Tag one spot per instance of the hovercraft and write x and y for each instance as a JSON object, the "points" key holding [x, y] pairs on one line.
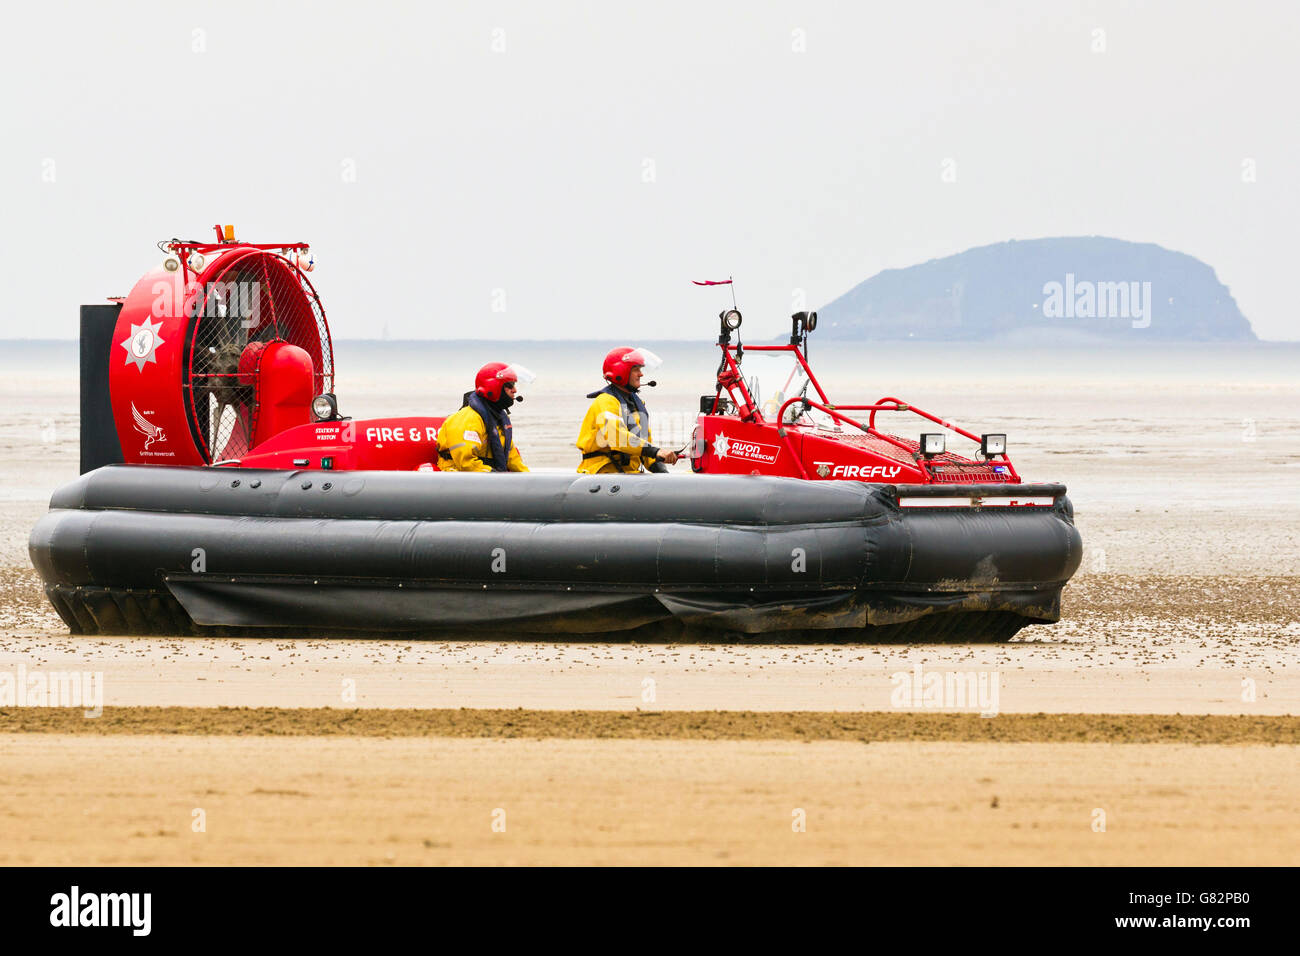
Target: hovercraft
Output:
{"points": [[223, 493]]}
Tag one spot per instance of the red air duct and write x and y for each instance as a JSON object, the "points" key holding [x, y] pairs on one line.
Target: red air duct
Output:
{"points": [[192, 367]]}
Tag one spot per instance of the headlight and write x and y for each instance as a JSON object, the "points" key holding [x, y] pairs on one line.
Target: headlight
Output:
{"points": [[992, 445], [325, 407], [171, 263], [730, 320], [195, 261], [932, 443]]}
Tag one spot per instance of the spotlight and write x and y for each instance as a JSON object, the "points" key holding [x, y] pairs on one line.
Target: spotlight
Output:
{"points": [[991, 445], [325, 407], [932, 443]]}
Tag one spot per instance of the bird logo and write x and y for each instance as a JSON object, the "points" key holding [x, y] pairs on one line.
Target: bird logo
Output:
{"points": [[151, 432]]}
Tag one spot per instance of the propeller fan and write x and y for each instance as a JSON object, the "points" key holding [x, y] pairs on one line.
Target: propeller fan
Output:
{"points": [[259, 298]]}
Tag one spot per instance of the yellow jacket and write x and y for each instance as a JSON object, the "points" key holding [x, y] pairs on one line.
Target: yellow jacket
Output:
{"points": [[463, 444], [612, 427]]}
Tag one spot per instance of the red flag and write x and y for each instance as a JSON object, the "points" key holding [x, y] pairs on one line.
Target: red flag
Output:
{"points": [[708, 282]]}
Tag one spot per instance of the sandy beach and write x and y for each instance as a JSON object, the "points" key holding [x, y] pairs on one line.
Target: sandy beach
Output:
{"points": [[325, 801], [1127, 644]]}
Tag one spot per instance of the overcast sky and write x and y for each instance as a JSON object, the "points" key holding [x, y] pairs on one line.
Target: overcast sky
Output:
{"points": [[588, 160]]}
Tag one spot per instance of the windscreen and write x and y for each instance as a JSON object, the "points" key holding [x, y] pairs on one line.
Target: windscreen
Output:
{"points": [[774, 377]]}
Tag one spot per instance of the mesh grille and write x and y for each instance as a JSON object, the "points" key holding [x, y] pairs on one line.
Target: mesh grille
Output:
{"points": [[959, 472], [946, 468], [258, 298], [879, 446]]}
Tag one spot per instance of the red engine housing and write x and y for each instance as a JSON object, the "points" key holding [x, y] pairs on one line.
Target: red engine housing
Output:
{"points": [[222, 349]]}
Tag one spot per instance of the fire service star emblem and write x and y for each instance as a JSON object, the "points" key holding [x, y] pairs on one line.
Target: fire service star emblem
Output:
{"points": [[823, 469], [722, 446], [142, 343]]}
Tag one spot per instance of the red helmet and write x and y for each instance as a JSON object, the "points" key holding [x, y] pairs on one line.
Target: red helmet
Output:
{"points": [[620, 362], [493, 376]]}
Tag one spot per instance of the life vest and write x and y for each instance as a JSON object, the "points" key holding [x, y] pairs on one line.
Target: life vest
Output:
{"points": [[497, 437], [635, 419], [500, 432]]}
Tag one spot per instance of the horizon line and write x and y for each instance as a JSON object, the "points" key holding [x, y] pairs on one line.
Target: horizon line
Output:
{"points": [[1098, 340]]}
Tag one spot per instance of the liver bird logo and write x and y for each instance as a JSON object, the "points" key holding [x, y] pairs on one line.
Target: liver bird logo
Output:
{"points": [[151, 432]]}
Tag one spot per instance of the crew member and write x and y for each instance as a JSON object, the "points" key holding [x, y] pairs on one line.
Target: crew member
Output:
{"points": [[615, 434], [480, 437]]}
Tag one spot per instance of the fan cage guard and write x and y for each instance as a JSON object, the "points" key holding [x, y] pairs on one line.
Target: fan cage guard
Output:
{"points": [[260, 297]]}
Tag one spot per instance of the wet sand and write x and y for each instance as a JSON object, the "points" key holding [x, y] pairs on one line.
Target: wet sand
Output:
{"points": [[1126, 644], [805, 726]]}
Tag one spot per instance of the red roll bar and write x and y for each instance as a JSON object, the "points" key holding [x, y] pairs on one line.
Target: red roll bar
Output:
{"points": [[732, 380]]}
